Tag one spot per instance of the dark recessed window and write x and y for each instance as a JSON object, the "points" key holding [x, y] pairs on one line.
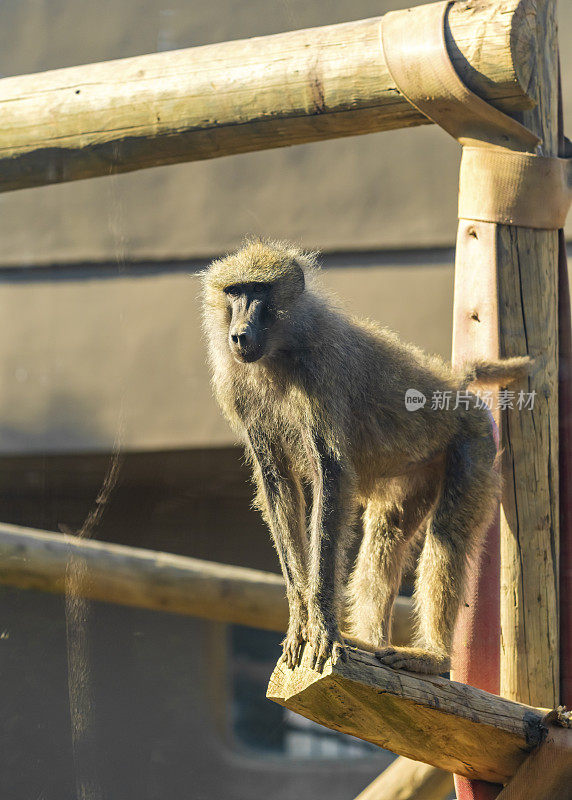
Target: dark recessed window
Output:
{"points": [[265, 727]]}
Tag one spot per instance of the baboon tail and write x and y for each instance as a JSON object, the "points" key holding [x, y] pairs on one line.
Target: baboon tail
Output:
{"points": [[498, 372]]}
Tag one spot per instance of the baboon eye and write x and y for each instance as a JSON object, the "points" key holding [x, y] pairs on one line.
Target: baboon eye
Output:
{"points": [[237, 289]]}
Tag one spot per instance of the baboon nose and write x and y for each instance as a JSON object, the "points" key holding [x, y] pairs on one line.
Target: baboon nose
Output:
{"points": [[243, 340], [245, 345]]}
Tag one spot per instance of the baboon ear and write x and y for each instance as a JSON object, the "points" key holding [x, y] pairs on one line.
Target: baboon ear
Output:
{"points": [[290, 285], [300, 279], [293, 283]]}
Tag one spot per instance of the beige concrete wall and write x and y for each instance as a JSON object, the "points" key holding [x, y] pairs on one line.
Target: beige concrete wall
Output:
{"points": [[104, 352], [90, 355], [390, 190]]}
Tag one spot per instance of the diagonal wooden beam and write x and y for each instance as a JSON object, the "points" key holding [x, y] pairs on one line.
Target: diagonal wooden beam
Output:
{"points": [[409, 780], [240, 96], [547, 772], [447, 724]]}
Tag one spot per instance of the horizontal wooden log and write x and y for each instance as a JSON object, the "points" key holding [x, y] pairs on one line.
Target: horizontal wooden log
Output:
{"points": [[447, 724], [132, 576], [234, 97], [409, 780]]}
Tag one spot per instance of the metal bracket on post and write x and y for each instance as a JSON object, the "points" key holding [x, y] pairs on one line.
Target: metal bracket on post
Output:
{"points": [[502, 178]]}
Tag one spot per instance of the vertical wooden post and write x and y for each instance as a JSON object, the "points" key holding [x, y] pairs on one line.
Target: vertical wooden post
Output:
{"points": [[565, 433], [565, 442], [522, 274], [506, 300], [528, 301]]}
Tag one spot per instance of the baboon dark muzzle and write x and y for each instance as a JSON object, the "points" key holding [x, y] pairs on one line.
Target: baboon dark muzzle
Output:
{"points": [[247, 333], [246, 346]]}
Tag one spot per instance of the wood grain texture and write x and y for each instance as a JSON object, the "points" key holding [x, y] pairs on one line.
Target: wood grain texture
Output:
{"points": [[528, 302], [132, 576], [447, 724], [239, 96], [409, 780]]}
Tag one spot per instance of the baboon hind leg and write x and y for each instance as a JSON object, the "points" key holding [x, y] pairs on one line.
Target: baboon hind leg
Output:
{"points": [[390, 523], [454, 533]]}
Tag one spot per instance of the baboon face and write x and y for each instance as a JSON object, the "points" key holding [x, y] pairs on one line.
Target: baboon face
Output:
{"points": [[250, 296], [251, 318]]}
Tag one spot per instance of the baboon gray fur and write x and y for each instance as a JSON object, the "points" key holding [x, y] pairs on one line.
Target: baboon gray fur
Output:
{"points": [[318, 398]]}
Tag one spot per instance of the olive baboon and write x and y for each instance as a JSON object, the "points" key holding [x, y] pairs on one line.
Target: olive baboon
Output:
{"points": [[318, 398]]}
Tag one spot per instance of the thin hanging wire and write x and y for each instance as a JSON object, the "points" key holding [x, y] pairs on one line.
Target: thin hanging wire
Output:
{"points": [[77, 608]]}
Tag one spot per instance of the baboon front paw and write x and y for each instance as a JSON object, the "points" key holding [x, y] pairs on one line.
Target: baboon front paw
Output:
{"points": [[292, 647], [325, 644], [323, 649], [413, 659]]}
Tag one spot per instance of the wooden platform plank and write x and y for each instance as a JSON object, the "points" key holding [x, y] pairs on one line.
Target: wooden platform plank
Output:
{"points": [[432, 719]]}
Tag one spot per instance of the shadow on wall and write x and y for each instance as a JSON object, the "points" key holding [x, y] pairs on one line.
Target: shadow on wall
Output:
{"points": [[63, 423]]}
